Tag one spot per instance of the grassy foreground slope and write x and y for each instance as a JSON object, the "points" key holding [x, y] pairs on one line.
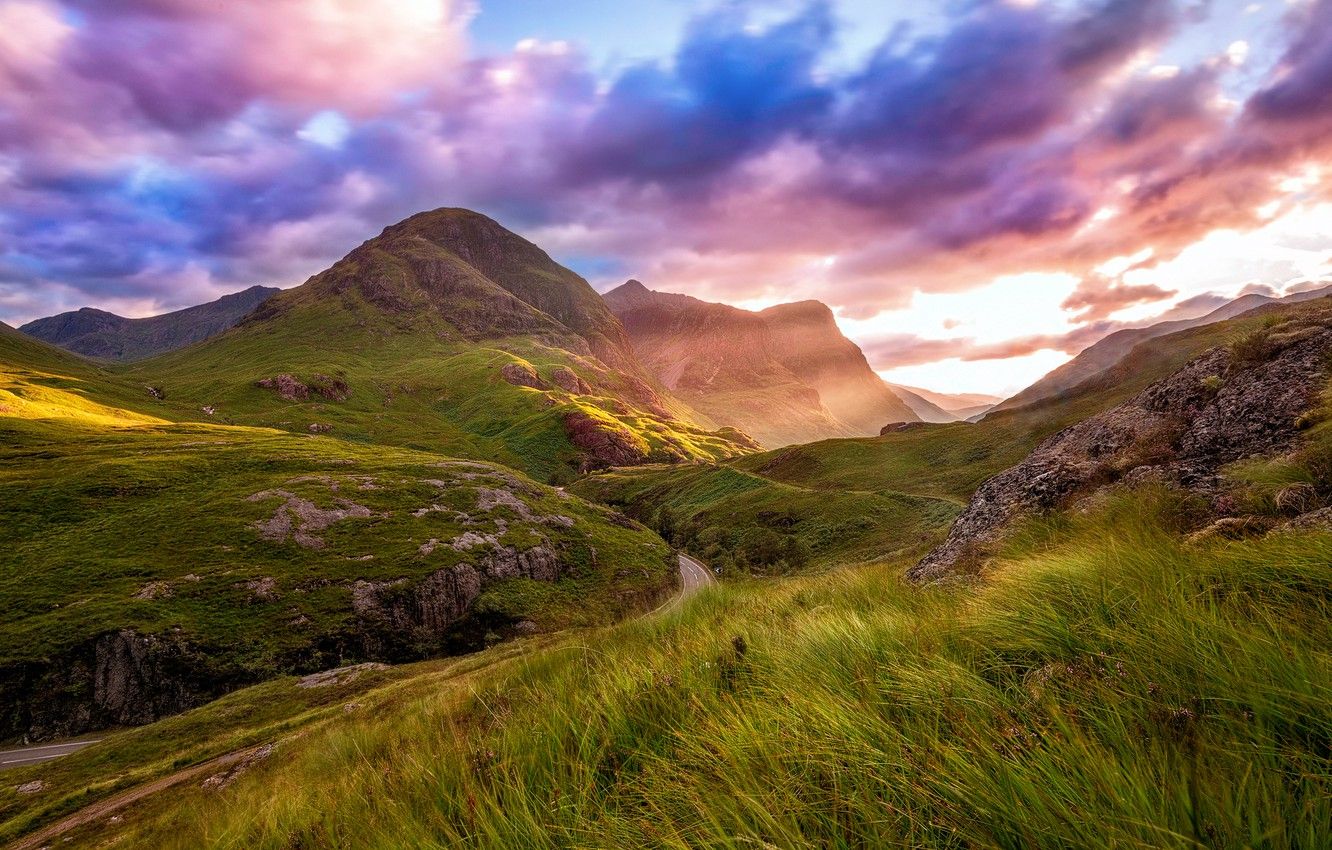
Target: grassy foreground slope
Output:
{"points": [[1109, 686]]}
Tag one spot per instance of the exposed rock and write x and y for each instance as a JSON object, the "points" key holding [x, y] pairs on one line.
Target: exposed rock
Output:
{"points": [[1232, 528], [331, 388], [219, 781], [1184, 425], [36, 786], [319, 428], [118, 679], [522, 375], [156, 392], [1317, 520], [421, 614], [568, 380], [262, 589], [604, 443], [209, 410], [287, 386], [299, 519], [900, 427], [339, 675], [154, 590]]}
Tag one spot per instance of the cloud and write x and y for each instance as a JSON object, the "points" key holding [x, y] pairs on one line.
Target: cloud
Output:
{"points": [[1098, 298], [157, 152]]}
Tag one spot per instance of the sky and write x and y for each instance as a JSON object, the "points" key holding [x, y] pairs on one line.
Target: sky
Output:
{"points": [[979, 188]]}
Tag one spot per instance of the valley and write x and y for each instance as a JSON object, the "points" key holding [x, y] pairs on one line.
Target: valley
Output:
{"points": [[439, 548]]}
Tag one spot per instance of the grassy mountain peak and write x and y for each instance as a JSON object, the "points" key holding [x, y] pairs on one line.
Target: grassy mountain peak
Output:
{"points": [[446, 332]]}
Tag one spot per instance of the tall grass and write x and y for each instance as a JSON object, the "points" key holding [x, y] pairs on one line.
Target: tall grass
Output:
{"points": [[1111, 689]]}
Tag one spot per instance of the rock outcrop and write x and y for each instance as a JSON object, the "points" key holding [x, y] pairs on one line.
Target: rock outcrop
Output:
{"points": [[1226, 405], [604, 443], [398, 616], [119, 679], [522, 375]]}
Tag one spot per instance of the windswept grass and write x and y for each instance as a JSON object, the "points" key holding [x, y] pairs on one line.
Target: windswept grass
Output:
{"points": [[740, 522], [1108, 687]]}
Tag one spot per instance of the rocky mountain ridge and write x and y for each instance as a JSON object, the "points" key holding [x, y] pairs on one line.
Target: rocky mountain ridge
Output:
{"points": [[1249, 399], [1105, 353]]}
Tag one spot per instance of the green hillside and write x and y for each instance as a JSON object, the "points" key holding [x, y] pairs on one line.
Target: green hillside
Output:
{"points": [[406, 341], [189, 558]]}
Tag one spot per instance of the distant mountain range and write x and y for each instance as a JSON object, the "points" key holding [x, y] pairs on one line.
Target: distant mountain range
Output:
{"points": [[783, 375], [1104, 354], [931, 406], [106, 336]]}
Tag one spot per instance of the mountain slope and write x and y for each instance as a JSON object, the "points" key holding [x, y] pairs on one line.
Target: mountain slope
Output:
{"points": [[106, 336], [724, 362], [813, 347], [927, 410], [1110, 350], [784, 377], [448, 333]]}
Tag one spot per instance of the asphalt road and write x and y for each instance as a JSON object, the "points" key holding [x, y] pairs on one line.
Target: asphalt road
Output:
{"points": [[693, 578], [41, 752]]}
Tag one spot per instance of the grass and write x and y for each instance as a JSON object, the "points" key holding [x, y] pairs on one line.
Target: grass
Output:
{"points": [[1108, 687], [740, 522]]}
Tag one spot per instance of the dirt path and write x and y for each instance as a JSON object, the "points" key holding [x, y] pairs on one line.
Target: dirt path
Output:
{"points": [[106, 807]]}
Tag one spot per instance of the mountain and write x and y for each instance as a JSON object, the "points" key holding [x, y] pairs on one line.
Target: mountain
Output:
{"points": [[724, 362], [813, 347], [957, 407], [106, 336], [1110, 350], [927, 410], [446, 332], [781, 375]]}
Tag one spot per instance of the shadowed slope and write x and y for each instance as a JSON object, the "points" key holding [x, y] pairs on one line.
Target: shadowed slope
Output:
{"points": [[97, 333]]}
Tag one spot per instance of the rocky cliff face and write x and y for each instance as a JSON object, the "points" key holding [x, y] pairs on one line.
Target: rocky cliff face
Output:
{"points": [[397, 619], [1228, 404], [119, 679], [785, 375]]}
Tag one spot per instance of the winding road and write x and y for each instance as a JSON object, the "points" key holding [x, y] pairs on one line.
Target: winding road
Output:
{"points": [[693, 578]]}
